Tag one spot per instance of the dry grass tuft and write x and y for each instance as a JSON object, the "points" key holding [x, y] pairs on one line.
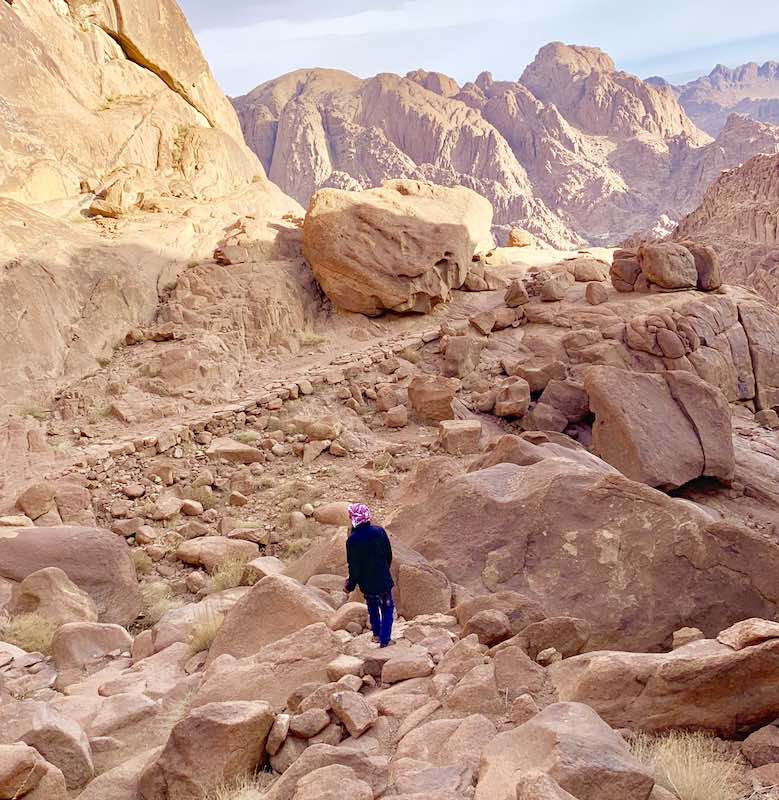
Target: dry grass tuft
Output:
{"points": [[203, 633], [310, 338], [410, 354], [156, 599], [142, 561], [247, 437], [295, 547], [229, 573], [205, 496], [30, 631], [251, 787], [690, 765]]}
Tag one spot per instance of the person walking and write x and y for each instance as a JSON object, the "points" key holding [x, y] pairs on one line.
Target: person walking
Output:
{"points": [[369, 556]]}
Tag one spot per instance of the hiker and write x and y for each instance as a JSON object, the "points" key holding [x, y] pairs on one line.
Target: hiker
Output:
{"points": [[369, 555]]}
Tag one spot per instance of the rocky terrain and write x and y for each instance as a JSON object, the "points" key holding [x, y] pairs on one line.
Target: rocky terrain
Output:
{"points": [[575, 454], [575, 151], [739, 217], [751, 90]]}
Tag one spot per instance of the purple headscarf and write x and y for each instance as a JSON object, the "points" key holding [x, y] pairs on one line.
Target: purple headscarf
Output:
{"points": [[359, 514]]}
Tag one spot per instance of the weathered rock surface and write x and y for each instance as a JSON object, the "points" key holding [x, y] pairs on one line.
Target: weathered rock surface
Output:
{"points": [[283, 605], [690, 687], [662, 430], [400, 247], [572, 746], [95, 560], [469, 527]]}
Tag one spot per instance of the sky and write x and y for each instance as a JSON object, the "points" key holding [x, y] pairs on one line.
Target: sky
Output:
{"points": [[248, 43]]}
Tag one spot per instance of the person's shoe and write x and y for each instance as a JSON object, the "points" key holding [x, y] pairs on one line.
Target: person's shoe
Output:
{"points": [[387, 644], [375, 638]]}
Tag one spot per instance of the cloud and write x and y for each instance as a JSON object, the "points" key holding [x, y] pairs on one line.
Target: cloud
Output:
{"points": [[463, 37]]}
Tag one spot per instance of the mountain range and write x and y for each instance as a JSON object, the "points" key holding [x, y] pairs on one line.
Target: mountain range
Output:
{"points": [[575, 151]]}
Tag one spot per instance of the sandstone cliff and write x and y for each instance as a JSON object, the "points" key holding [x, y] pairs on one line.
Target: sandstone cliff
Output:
{"points": [[739, 217], [574, 151]]}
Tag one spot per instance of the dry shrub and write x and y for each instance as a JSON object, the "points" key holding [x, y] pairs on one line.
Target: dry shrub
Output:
{"points": [[410, 354], [30, 631], [295, 547], [142, 561], [156, 600], [203, 633], [690, 765], [250, 787], [310, 338], [228, 574], [247, 437]]}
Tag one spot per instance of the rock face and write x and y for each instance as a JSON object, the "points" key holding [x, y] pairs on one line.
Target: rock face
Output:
{"points": [[739, 218], [532, 147], [111, 67], [551, 529], [751, 89], [95, 560], [135, 123], [400, 247], [662, 430], [574, 747], [690, 687]]}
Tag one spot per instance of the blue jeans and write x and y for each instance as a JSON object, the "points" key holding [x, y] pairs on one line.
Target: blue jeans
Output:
{"points": [[381, 610]]}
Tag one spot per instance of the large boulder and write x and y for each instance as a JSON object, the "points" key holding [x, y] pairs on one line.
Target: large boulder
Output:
{"points": [[574, 747], [663, 430], [273, 672], [95, 560], [25, 773], [553, 529], [690, 687], [272, 609], [213, 744], [402, 246], [50, 593], [668, 265]]}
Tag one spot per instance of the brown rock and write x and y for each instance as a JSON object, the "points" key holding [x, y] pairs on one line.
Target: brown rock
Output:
{"points": [[414, 664], [235, 452], [596, 293], [706, 264], [335, 782], [401, 246], [25, 773], [674, 683], [421, 589], [75, 550], [762, 746], [513, 398], [625, 270], [749, 632], [396, 417], [523, 708], [75, 644], [574, 747], [213, 744], [460, 437], [309, 723], [668, 265], [371, 769], [461, 355], [686, 635], [354, 712], [50, 593], [519, 237], [282, 603], [470, 529], [568, 635], [211, 551], [686, 435], [516, 295], [490, 626], [431, 398]]}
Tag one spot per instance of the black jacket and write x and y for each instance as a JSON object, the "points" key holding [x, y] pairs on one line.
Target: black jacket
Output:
{"points": [[369, 555]]}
